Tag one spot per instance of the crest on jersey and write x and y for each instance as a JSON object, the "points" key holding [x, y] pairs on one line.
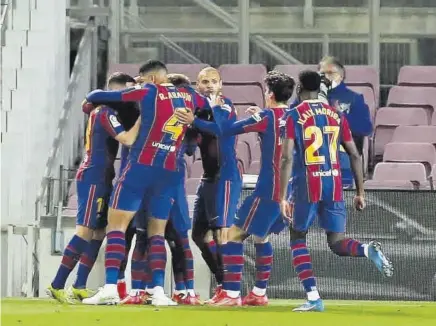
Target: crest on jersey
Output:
{"points": [[114, 121], [256, 117]]}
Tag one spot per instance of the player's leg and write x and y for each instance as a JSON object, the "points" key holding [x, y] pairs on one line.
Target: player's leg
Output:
{"points": [[181, 223], [160, 207], [333, 219], [264, 259], [86, 263], [303, 216], [121, 282], [177, 260], [78, 290], [86, 220], [201, 233], [125, 201]]}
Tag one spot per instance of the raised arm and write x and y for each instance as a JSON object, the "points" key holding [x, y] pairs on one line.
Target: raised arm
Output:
{"points": [[131, 94], [258, 122], [113, 126]]}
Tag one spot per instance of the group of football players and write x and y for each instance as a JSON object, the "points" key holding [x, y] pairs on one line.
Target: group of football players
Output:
{"points": [[158, 118]]}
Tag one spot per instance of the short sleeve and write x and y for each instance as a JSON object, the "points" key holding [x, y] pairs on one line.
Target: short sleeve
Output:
{"points": [[345, 130], [111, 123]]}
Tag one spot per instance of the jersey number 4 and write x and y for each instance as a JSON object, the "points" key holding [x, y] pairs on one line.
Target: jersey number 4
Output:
{"points": [[173, 127], [317, 134]]}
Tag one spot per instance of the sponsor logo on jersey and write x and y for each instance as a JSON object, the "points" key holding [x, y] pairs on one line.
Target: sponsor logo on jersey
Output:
{"points": [[169, 148], [327, 173]]}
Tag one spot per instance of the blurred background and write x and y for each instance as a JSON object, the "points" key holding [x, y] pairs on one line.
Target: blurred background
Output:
{"points": [[53, 52]]}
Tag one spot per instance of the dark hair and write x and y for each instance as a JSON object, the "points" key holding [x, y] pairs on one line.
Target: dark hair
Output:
{"points": [[309, 80], [120, 78], [179, 80], [280, 84], [151, 65]]}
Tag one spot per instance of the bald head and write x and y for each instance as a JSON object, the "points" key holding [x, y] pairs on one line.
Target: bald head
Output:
{"points": [[209, 81]]}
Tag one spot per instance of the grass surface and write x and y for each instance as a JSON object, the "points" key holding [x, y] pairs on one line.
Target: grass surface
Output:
{"points": [[41, 312]]}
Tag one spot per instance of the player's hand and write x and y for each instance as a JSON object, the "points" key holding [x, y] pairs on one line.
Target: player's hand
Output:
{"points": [[285, 209], [215, 100], [253, 109], [184, 116], [87, 107], [359, 203]]}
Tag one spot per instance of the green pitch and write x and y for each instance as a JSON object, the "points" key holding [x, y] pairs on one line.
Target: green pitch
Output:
{"points": [[22, 312]]}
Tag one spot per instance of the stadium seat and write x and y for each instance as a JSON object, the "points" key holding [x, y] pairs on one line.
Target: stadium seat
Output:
{"points": [[249, 138], [191, 185], [240, 73], [243, 154], [417, 76], [368, 95], [415, 134], [196, 169], [387, 119], [414, 172], [402, 96], [197, 154], [254, 168], [240, 110], [117, 165], [433, 119], [411, 152], [389, 184], [363, 76], [190, 70], [255, 154], [244, 94]]}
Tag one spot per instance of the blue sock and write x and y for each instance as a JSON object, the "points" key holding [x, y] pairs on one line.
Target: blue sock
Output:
{"points": [[71, 256], [115, 252], [157, 258], [264, 258], [139, 260], [189, 263], [86, 263], [303, 264], [233, 259], [348, 247]]}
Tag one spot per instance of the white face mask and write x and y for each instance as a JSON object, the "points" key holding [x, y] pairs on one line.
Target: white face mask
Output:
{"points": [[335, 84]]}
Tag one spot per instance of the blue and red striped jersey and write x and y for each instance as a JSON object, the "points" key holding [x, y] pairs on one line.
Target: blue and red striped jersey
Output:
{"points": [[226, 144], [267, 124], [102, 124], [161, 134], [317, 130]]}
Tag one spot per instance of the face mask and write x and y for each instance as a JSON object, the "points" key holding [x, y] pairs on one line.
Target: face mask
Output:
{"points": [[335, 84]]}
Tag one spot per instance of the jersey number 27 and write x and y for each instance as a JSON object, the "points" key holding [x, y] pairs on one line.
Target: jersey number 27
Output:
{"points": [[318, 139]]}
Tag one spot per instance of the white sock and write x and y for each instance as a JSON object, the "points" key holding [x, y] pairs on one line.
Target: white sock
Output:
{"points": [[177, 292], [313, 295], [233, 294], [259, 292], [158, 291], [365, 249], [121, 280], [191, 292]]}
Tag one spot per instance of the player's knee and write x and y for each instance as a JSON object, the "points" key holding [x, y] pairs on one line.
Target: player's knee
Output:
{"points": [[297, 235], [333, 238], [99, 234], [156, 227], [119, 220], [235, 234], [84, 232]]}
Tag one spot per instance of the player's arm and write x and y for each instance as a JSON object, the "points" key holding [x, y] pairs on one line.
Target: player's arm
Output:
{"points": [[113, 126], [355, 160], [286, 162], [258, 122], [131, 94]]}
